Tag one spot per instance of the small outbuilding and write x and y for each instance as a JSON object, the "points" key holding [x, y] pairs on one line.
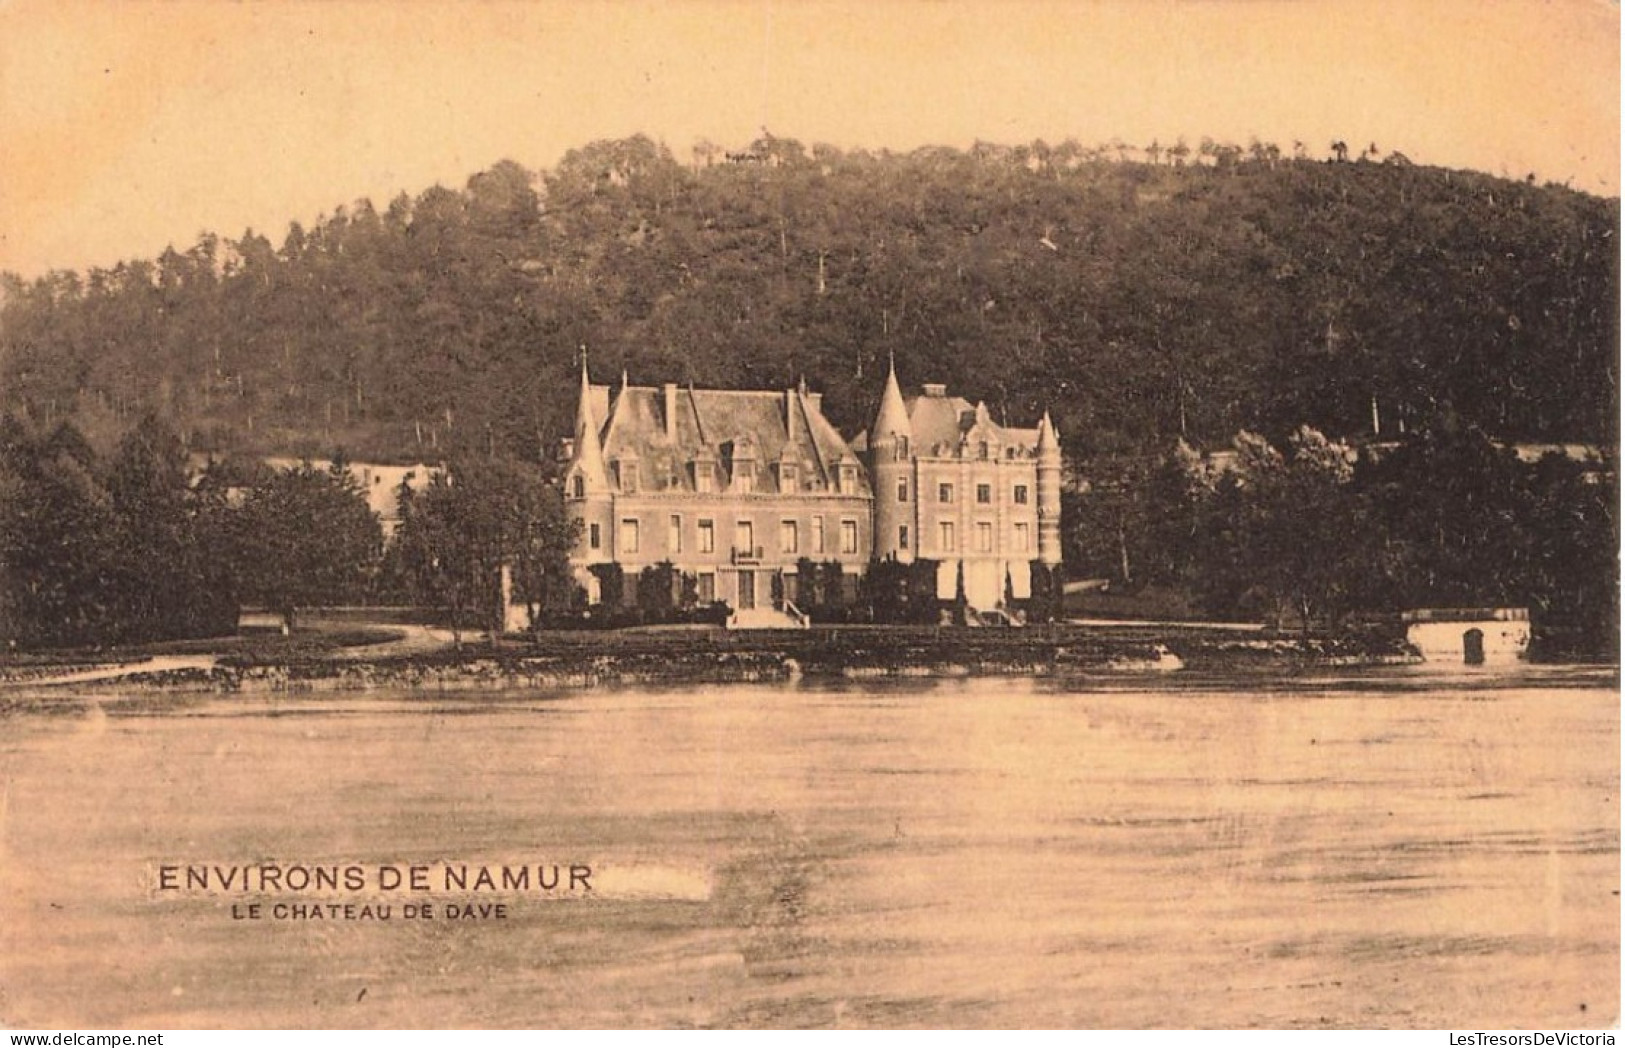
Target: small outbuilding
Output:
{"points": [[1469, 636]]}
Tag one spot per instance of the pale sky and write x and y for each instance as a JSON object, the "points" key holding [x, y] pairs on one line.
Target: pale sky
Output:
{"points": [[128, 126]]}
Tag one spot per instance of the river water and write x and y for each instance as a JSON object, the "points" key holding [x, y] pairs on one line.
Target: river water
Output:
{"points": [[1377, 849]]}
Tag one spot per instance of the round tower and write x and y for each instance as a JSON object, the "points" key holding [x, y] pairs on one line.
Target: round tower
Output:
{"points": [[1049, 493], [587, 494], [891, 464]]}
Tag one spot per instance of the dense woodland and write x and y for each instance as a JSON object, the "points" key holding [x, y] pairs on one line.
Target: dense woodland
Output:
{"points": [[1156, 301], [1191, 292], [135, 546], [1317, 532]]}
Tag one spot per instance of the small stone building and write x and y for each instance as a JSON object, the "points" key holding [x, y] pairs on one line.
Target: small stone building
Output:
{"points": [[1469, 636]]}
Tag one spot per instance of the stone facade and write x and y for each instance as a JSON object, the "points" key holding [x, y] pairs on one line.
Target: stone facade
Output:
{"points": [[737, 487], [981, 499], [730, 487]]}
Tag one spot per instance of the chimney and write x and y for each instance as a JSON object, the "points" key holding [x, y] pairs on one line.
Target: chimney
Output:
{"points": [[935, 389], [670, 389]]}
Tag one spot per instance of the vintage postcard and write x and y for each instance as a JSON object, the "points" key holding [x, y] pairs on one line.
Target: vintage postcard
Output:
{"points": [[824, 515]]}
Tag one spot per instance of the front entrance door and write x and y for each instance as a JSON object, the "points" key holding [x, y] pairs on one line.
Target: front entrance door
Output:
{"points": [[1472, 647], [747, 590]]}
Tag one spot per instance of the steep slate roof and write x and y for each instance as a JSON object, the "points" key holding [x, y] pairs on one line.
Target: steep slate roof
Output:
{"points": [[892, 418], [943, 421], [722, 425]]}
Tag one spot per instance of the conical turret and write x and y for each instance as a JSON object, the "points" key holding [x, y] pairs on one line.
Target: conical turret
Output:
{"points": [[589, 453], [892, 419], [893, 472], [1049, 492], [1049, 442]]}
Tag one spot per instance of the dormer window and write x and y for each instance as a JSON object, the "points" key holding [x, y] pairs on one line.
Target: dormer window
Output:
{"points": [[981, 450], [848, 479], [629, 477], [787, 476], [704, 473], [743, 466]]}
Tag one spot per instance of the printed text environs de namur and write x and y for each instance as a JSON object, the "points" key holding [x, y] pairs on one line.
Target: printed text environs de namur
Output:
{"points": [[261, 878]]}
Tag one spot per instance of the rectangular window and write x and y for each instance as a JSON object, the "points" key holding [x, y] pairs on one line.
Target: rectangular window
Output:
{"points": [[787, 477], [984, 537], [902, 536], [745, 537], [945, 536], [595, 537], [902, 490], [1022, 541], [702, 477], [818, 535], [849, 536], [1021, 494], [789, 538], [708, 537], [984, 493], [629, 477], [629, 536], [674, 534], [706, 588], [745, 478], [945, 493]]}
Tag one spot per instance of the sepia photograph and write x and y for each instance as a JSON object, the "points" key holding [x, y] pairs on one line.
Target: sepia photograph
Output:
{"points": [[810, 515]]}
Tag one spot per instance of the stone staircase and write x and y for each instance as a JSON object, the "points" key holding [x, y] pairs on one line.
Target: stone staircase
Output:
{"points": [[997, 617], [768, 618]]}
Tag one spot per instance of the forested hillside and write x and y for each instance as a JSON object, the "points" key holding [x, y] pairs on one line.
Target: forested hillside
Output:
{"points": [[1193, 292]]}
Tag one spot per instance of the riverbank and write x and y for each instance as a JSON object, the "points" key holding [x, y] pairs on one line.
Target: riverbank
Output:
{"points": [[708, 656]]}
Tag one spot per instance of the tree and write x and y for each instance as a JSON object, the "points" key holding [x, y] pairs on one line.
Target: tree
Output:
{"points": [[657, 586], [535, 534], [1048, 591], [1289, 530], [472, 521], [96, 552], [611, 585], [162, 581], [885, 591], [56, 530], [440, 542], [306, 538]]}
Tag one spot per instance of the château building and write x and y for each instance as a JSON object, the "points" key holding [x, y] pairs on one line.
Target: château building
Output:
{"points": [[981, 499], [740, 488]]}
